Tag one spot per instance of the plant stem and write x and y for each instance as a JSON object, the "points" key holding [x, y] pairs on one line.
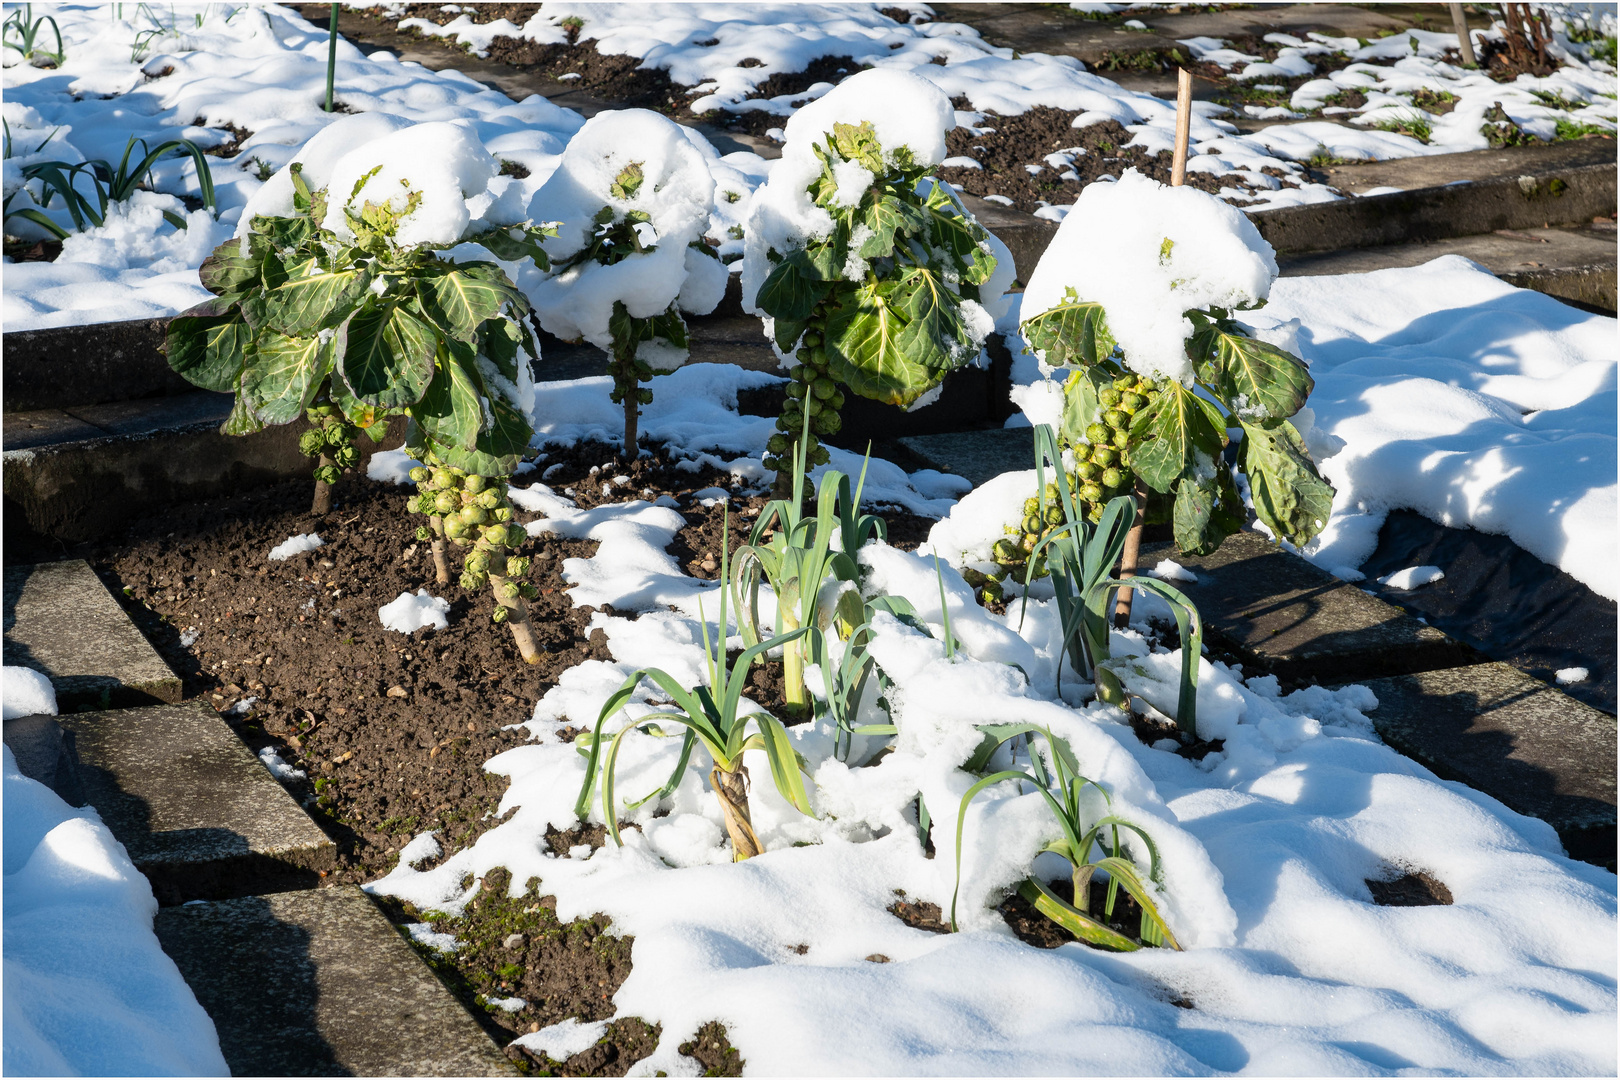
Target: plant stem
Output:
{"points": [[731, 788], [1128, 558], [794, 693], [331, 56], [632, 410], [323, 491], [441, 566], [517, 610]]}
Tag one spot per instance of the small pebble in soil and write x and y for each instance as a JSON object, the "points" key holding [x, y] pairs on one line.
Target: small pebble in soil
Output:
{"points": [[513, 941]]}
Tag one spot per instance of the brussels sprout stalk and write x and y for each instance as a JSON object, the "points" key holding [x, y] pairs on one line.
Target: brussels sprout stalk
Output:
{"points": [[330, 440]]}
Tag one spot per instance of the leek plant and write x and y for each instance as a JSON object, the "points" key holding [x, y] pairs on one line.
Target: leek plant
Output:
{"points": [[107, 185], [846, 680], [798, 558], [21, 30], [1062, 788], [711, 716], [1081, 561]]}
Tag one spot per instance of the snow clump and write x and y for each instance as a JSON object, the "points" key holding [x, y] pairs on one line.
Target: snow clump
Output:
{"points": [[295, 545], [675, 192], [26, 692], [442, 162], [317, 161], [1412, 577], [394, 466], [406, 612], [1147, 252], [1570, 675]]}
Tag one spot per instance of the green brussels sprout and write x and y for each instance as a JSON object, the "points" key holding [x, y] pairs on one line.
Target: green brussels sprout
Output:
{"points": [[478, 561], [1054, 516], [1094, 515], [510, 590], [1116, 419], [1091, 491], [500, 614], [488, 499], [777, 444], [1027, 544], [1121, 438], [518, 566], [973, 577], [1007, 551], [1088, 470], [476, 483], [494, 534], [1104, 456], [819, 454], [471, 580], [529, 591], [327, 474], [1109, 397], [501, 513], [419, 474], [347, 457], [644, 396], [474, 515], [459, 541], [837, 400], [1097, 434], [812, 339], [1032, 523], [445, 502], [1125, 382], [1050, 493], [311, 442], [515, 535], [993, 592], [824, 388], [804, 355], [826, 422], [1032, 506], [1132, 402], [423, 533], [1113, 478], [455, 528], [796, 390], [441, 480], [812, 405]]}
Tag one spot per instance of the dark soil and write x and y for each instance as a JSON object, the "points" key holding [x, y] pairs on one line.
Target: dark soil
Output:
{"points": [[1029, 137], [1036, 929], [1411, 889], [921, 915], [239, 135], [32, 250], [713, 1051], [393, 730]]}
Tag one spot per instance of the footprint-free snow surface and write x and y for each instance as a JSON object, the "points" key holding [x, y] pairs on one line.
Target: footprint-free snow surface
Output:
{"points": [[1267, 846]]}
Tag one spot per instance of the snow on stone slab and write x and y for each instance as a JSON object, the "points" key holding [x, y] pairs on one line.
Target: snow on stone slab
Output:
{"points": [[1474, 403], [1571, 675], [26, 692], [295, 545], [408, 613], [1168, 249], [1266, 846], [391, 467], [88, 990], [1412, 577]]}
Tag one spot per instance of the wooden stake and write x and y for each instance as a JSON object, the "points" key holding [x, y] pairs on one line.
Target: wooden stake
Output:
{"points": [[1178, 177], [1465, 44], [1178, 166]]}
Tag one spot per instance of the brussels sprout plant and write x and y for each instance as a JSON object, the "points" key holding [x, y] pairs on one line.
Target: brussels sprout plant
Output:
{"points": [[349, 330], [876, 306]]}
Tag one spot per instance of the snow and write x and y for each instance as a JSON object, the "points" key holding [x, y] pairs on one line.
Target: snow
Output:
{"points": [[26, 692], [1170, 570], [407, 613], [88, 990], [391, 467], [279, 768], [1412, 577], [676, 193], [295, 545], [563, 1040], [443, 163], [1571, 675], [1215, 258], [1265, 843]]}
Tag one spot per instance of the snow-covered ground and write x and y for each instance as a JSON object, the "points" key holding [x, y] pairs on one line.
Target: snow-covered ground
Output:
{"points": [[88, 990]]}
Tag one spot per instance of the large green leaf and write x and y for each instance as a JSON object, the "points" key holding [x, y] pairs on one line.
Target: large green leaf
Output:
{"points": [[388, 360], [1258, 382], [242, 420], [960, 235], [206, 347], [461, 298], [1178, 432], [1081, 401], [284, 233], [792, 289], [1207, 510], [526, 245], [934, 336], [227, 270], [499, 340], [1289, 495], [283, 374], [886, 217], [310, 300], [866, 354], [451, 411], [1073, 332]]}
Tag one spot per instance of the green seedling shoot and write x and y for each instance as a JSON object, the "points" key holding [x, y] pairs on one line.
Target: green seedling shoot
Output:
{"points": [[711, 716], [1063, 789], [847, 679], [21, 30], [60, 179]]}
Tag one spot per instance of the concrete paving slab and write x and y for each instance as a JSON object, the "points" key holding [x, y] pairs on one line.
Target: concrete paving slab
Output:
{"points": [[1286, 617], [44, 427], [200, 410], [61, 620], [1515, 738], [201, 816], [977, 456], [318, 983]]}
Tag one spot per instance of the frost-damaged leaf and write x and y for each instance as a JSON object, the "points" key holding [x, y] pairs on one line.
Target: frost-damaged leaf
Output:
{"points": [[1290, 496], [859, 143], [1167, 437], [1259, 382], [1207, 510], [306, 302], [451, 411], [462, 298], [389, 357], [1073, 332], [865, 353], [227, 270], [354, 410], [205, 347], [283, 374], [792, 289]]}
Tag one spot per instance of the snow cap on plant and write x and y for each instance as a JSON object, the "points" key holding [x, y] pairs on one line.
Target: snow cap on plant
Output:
{"points": [[425, 173], [650, 171], [1147, 253], [317, 158], [904, 110]]}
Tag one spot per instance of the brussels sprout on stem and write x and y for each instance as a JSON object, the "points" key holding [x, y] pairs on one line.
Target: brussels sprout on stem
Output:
{"points": [[330, 440]]}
